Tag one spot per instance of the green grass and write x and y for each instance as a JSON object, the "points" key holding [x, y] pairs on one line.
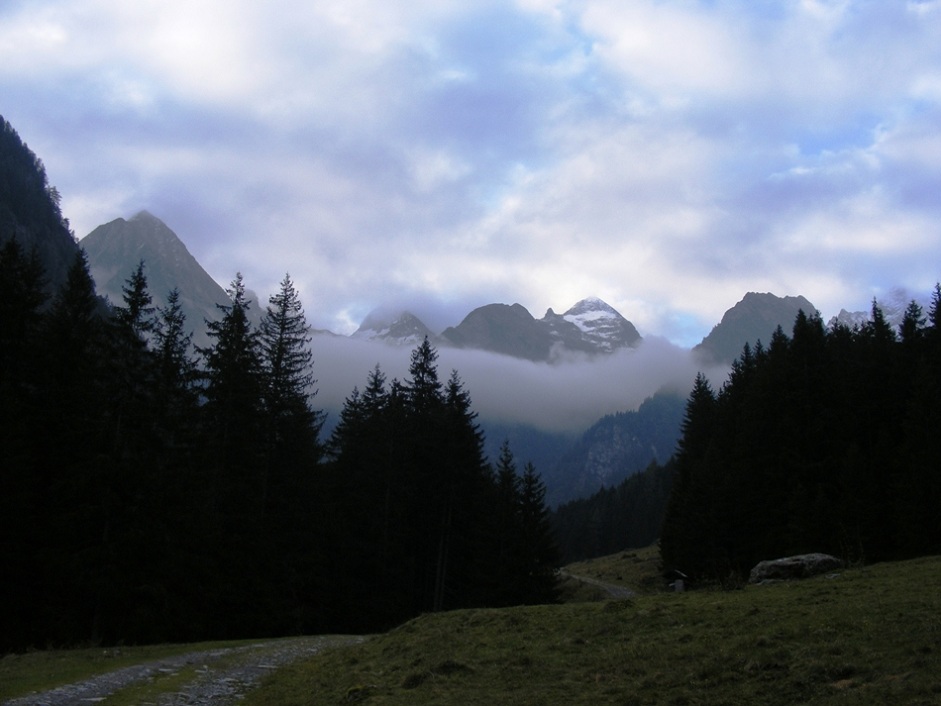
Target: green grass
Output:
{"points": [[46, 669], [637, 569], [867, 636]]}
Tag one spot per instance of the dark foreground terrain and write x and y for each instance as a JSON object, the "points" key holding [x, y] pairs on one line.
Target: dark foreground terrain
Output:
{"points": [[866, 635]]}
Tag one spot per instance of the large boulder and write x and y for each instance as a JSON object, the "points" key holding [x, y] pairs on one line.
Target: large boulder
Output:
{"points": [[794, 567]]}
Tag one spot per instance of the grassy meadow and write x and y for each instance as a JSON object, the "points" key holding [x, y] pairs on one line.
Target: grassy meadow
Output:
{"points": [[865, 635], [868, 635]]}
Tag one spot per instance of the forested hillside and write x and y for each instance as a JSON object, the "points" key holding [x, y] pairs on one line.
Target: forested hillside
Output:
{"points": [[827, 440], [628, 515], [29, 208], [148, 498], [155, 491]]}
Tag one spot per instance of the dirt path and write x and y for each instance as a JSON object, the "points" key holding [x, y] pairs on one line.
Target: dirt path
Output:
{"points": [[612, 589], [221, 676]]}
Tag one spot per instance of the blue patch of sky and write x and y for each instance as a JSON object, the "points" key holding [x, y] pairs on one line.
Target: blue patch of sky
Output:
{"points": [[858, 132], [685, 330]]}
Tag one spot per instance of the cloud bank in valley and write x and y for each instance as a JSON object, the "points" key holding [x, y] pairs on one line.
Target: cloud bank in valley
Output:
{"points": [[560, 397]]}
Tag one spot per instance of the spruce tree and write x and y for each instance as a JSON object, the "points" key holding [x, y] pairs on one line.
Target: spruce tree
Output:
{"points": [[688, 519], [137, 314], [234, 459], [234, 395], [540, 553], [293, 425], [176, 372]]}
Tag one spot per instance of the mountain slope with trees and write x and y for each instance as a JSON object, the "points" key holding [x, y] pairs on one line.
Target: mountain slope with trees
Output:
{"points": [[616, 447], [751, 320], [30, 209]]}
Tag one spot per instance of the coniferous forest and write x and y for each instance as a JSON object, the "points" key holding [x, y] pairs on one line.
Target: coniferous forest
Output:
{"points": [[148, 498], [828, 440], [155, 492]]}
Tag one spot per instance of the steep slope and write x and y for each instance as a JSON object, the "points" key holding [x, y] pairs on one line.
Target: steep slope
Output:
{"points": [[753, 319], [29, 208], [114, 250], [616, 447]]}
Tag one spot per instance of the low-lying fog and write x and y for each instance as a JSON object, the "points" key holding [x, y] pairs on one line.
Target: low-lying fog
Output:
{"points": [[567, 396]]}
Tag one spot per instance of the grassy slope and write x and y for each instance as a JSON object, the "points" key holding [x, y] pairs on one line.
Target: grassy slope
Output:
{"points": [[867, 636], [637, 569]]}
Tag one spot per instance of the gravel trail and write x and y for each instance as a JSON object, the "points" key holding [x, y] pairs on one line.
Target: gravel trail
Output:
{"points": [[218, 681], [612, 589]]}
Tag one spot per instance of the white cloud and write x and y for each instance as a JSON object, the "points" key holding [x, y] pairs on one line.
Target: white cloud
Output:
{"points": [[666, 156]]}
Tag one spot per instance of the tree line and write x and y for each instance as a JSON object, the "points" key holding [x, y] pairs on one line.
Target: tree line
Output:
{"points": [[827, 440], [628, 515], [153, 491]]}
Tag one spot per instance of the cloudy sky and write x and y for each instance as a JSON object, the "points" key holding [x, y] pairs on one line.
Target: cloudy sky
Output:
{"points": [[665, 155]]}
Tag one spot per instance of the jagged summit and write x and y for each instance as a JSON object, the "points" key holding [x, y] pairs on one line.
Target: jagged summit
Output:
{"points": [[753, 319], [398, 327], [893, 305], [592, 326], [115, 248]]}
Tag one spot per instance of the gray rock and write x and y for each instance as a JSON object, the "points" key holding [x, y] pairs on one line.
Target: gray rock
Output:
{"points": [[794, 567]]}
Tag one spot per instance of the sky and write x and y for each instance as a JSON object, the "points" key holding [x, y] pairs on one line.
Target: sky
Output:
{"points": [[667, 156]]}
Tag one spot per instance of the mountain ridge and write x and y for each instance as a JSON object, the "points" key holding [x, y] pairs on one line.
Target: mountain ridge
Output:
{"points": [[752, 319], [591, 327], [115, 248]]}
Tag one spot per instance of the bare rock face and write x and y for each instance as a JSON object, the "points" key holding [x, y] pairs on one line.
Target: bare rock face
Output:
{"points": [[801, 566]]}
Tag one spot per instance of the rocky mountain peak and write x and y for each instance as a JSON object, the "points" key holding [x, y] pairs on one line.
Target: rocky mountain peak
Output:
{"points": [[115, 248], [592, 326], [591, 304], [397, 327], [753, 319]]}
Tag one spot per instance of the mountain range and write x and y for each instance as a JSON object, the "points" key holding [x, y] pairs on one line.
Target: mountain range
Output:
{"points": [[615, 447], [612, 449], [591, 327]]}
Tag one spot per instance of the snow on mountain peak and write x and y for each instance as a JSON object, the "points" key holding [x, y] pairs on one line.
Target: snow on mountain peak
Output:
{"points": [[589, 314], [398, 327], [596, 327]]}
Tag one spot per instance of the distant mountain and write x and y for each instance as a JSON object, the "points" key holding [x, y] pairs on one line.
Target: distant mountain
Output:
{"points": [[114, 250], [29, 209], [501, 328], [893, 307], [591, 326], [615, 447], [398, 328], [540, 447], [753, 319]]}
